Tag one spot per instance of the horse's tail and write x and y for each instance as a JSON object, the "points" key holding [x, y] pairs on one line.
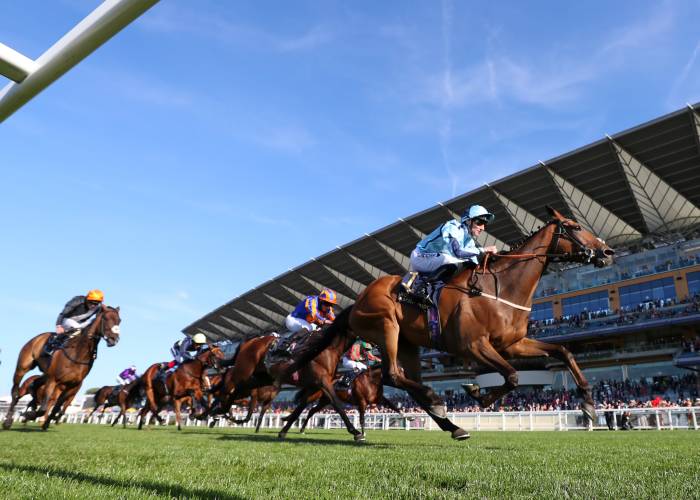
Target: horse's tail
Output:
{"points": [[317, 344]]}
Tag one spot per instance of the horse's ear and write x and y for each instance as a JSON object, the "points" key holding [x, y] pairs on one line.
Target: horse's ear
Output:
{"points": [[117, 308], [553, 212]]}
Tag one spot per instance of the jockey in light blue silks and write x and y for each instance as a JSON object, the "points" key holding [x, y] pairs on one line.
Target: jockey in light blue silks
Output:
{"points": [[440, 253]]}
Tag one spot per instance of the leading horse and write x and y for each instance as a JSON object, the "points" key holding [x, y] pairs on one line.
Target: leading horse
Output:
{"points": [[67, 367], [486, 327]]}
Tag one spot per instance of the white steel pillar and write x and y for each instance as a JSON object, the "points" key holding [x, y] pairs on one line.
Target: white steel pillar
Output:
{"points": [[102, 24]]}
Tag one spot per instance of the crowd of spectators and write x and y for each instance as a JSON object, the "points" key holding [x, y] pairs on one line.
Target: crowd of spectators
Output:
{"points": [[586, 320], [607, 394], [570, 280]]}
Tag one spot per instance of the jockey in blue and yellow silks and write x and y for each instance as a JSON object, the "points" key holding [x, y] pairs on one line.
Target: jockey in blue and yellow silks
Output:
{"points": [[313, 312]]}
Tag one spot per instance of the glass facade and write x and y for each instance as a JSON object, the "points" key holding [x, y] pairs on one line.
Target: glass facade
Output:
{"points": [[645, 263], [543, 311], [633, 295], [694, 283], [590, 302]]}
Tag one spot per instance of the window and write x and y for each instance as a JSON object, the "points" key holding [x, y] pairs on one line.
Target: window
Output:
{"points": [[541, 312], [634, 295], [693, 283], [590, 302]]}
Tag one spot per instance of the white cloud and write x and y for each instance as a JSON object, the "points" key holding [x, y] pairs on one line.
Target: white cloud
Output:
{"points": [[175, 19]]}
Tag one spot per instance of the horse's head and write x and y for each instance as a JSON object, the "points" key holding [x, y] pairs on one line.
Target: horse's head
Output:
{"points": [[581, 245], [109, 330], [212, 356]]}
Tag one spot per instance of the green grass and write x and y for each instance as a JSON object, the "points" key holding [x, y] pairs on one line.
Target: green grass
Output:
{"points": [[86, 461]]}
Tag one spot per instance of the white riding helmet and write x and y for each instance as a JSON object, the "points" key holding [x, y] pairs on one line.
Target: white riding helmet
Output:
{"points": [[199, 338], [477, 212]]}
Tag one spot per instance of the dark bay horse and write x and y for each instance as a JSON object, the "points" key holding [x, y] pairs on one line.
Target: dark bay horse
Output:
{"points": [[249, 372], [105, 397], [481, 328], [34, 387], [183, 385], [365, 390], [67, 367], [128, 395]]}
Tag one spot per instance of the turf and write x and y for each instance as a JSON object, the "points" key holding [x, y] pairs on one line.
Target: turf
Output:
{"points": [[89, 461]]}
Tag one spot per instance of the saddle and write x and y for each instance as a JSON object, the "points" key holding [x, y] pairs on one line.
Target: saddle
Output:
{"points": [[424, 291], [57, 341], [285, 347]]}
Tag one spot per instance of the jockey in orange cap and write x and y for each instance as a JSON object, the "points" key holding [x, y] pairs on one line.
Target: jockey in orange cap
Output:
{"points": [[80, 311], [313, 312]]}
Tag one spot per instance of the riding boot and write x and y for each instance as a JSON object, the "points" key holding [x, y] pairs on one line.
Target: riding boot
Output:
{"points": [[421, 290]]}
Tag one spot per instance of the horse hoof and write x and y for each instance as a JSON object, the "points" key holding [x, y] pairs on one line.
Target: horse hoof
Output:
{"points": [[460, 434], [282, 435], [360, 438]]}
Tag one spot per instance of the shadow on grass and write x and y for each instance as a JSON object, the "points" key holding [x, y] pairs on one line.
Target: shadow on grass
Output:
{"points": [[298, 439], [170, 490], [23, 429]]}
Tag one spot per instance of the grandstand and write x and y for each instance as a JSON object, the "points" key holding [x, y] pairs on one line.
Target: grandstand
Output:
{"points": [[639, 319]]}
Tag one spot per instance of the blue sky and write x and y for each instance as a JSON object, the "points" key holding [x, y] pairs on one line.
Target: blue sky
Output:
{"points": [[211, 146]]}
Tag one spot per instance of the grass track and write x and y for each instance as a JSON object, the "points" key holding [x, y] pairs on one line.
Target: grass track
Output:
{"points": [[87, 461]]}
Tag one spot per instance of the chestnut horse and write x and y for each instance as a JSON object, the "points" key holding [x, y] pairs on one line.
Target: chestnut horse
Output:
{"points": [[487, 329], [365, 390], [250, 372], [67, 367], [185, 383]]}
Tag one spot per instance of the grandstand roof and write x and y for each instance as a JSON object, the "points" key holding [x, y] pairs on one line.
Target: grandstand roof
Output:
{"points": [[643, 182]]}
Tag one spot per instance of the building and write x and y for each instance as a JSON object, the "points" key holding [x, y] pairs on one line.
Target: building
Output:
{"points": [[638, 189]]}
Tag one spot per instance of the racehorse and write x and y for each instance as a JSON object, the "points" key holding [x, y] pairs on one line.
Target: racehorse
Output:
{"points": [[365, 390], [263, 396], [33, 386], [67, 367], [184, 384], [250, 371], [487, 326], [105, 397], [128, 395]]}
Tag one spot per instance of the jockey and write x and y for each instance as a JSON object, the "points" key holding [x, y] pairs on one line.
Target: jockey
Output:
{"points": [[127, 376], [440, 253], [79, 311], [186, 349], [356, 356], [313, 312]]}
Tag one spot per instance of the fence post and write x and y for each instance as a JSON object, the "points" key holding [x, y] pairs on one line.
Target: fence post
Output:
{"points": [[670, 419], [532, 423], [695, 420], [478, 421], [658, 420], [503, 421]]}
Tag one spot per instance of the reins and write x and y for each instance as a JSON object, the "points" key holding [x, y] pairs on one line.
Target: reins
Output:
{"points": [[585, 255], [93, 351]]}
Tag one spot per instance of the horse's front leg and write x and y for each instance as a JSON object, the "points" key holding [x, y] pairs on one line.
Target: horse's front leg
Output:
{"points": [[329, 391], [528, 347], [483, 352], [177, 403], [53, 392]]}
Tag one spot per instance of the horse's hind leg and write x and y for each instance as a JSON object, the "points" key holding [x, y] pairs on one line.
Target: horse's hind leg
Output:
{"points": [[53, 393], [322, 403], [329, 391], [25, 362], [294, 416], [528, 347], [411, 381], [263, 410]]}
